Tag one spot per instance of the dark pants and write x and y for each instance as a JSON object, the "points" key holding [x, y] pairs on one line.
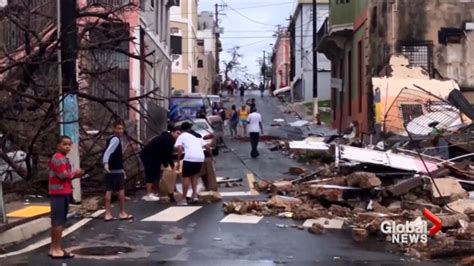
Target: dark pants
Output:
{"points": [[254, 136]]}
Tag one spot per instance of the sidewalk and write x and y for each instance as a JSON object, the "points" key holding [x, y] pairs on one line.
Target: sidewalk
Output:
{"points": [[29, 217]]}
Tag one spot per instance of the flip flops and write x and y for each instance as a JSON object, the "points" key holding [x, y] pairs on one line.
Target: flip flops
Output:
{"points": [[129, 217], [66, 255]]}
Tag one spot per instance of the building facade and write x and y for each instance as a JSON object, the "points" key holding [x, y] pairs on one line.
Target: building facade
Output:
{"points": [[155, 43], [281, 59], [361, 36], [301, 28], [184, 50], [207, 43]]}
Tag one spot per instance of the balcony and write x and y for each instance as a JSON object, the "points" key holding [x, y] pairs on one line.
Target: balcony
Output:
{"points": [[324, 30], [109, 2]]}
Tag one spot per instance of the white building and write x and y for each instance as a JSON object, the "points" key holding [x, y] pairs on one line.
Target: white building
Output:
{"points": [[302, 52], [154, 42]]}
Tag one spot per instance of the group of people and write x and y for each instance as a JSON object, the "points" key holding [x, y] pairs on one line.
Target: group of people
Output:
{"points": [[156, 156], [249, 121]]}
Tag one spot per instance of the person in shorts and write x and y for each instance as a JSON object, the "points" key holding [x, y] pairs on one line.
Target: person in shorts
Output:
{"points": [[156, 154], [192, 144], [243, 115], [60, 191], [115, 174]]}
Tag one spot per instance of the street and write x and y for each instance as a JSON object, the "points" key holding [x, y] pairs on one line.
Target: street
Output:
{"points": [[200, 238]]}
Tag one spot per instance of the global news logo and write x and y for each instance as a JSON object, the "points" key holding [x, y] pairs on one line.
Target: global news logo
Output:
{"points": [[412, 232]]}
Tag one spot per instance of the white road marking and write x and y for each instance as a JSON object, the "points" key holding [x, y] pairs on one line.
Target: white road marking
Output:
{"points": [[242, 219], [46, 241], [236, 193], [172, 214]]}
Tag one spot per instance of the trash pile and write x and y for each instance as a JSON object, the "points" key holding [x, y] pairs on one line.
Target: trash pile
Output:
{"points": [[336, 197]]}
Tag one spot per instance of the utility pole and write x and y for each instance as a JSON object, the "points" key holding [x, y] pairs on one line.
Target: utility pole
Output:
{"points": [[315, 60], [217, 33], [67, 14], [264, 68]]}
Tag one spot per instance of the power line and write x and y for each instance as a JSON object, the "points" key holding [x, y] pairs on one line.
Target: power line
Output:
{"points": [[242, 8], [248, 18]]}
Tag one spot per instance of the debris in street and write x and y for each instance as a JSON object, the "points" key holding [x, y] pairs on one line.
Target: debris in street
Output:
{"points": [[363, 180], [326, 223], [209, 196], [316, 229], [299, 123], [449, 190], [297, 170], [405, 186], [359, 234]]}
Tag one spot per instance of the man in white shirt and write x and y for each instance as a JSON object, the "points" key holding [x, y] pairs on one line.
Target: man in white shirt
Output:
{"points": [[254, 128], [192, 144]]}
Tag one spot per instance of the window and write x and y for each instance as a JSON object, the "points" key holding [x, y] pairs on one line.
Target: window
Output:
{"points": [[349, 81], [159, 21], [200, 42], [419, 53], [200, 63], [360, 73], [152, 3], [176, 45], [177, 2]]}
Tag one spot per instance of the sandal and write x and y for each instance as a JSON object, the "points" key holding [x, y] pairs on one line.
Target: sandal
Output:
{"points": [[129, 217], [109, 220], [66, 255]]}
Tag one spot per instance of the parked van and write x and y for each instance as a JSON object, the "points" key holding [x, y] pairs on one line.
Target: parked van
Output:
{"points": [[186, 107]]}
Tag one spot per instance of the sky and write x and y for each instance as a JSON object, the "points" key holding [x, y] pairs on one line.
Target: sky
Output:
{"points": [[250, 24]]}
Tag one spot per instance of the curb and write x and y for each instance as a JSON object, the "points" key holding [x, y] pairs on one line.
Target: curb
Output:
{"points": [[27, 230]]}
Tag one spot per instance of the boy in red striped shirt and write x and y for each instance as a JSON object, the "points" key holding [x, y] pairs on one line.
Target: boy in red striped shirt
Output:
{"points": [[60, 190]]}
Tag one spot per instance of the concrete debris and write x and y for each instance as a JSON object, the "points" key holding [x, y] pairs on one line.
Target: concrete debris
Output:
{"points": [[297, 170], [449, 190], [325, 223], [465, 206], [359, 234], [364, 189], [453, 220], [316, 229], [363, 180], [467, 261], [209, 196], [405, 186]]}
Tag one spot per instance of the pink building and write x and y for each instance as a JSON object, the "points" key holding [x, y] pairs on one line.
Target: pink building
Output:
{"points": [[124, 80], [281, 59]]}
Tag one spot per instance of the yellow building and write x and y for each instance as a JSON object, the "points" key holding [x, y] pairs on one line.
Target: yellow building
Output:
{"points": [[184, 50]]}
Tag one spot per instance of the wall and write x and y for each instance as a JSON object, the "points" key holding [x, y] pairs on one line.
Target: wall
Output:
{"points": [[342, 14], [303, 51]]}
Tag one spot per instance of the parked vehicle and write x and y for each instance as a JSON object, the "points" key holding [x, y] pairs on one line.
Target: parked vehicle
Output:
{"points": [[214, 99], [7, 174], [186, 107], [203, 128]]}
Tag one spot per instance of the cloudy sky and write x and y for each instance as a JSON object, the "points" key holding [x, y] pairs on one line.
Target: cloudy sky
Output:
{"points": [[250, 24]]}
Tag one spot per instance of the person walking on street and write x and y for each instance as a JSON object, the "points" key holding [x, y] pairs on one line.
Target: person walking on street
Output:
{"points": [[115, 174], [233, 121], [242, 92], [262, 89], [157, 153], [192, 144], [60, 191], [251, 103], [255, 127], [243, 115]]}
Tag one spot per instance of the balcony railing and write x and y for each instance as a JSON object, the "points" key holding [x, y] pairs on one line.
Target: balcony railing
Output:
{"points": [[109, 2], [324, 30]]}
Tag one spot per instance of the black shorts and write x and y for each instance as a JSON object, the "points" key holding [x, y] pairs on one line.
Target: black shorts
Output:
{"points": [[191, 169], [152, 170], [59, 210], [114, 181]]}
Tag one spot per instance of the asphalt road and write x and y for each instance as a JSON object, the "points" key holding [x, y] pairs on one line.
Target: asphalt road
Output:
{"points": [[201, 238]]}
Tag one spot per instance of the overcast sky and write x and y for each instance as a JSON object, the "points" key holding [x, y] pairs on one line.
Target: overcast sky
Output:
{"points": [[250, 24]]}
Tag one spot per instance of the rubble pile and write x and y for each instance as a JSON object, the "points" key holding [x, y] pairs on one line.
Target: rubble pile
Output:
{"points": [[362, 200]]}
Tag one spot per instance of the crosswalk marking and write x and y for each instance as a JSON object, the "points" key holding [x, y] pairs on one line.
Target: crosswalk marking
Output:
{"points": [[172, 214], [236, 193], [251, 180], [242, 219]]}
